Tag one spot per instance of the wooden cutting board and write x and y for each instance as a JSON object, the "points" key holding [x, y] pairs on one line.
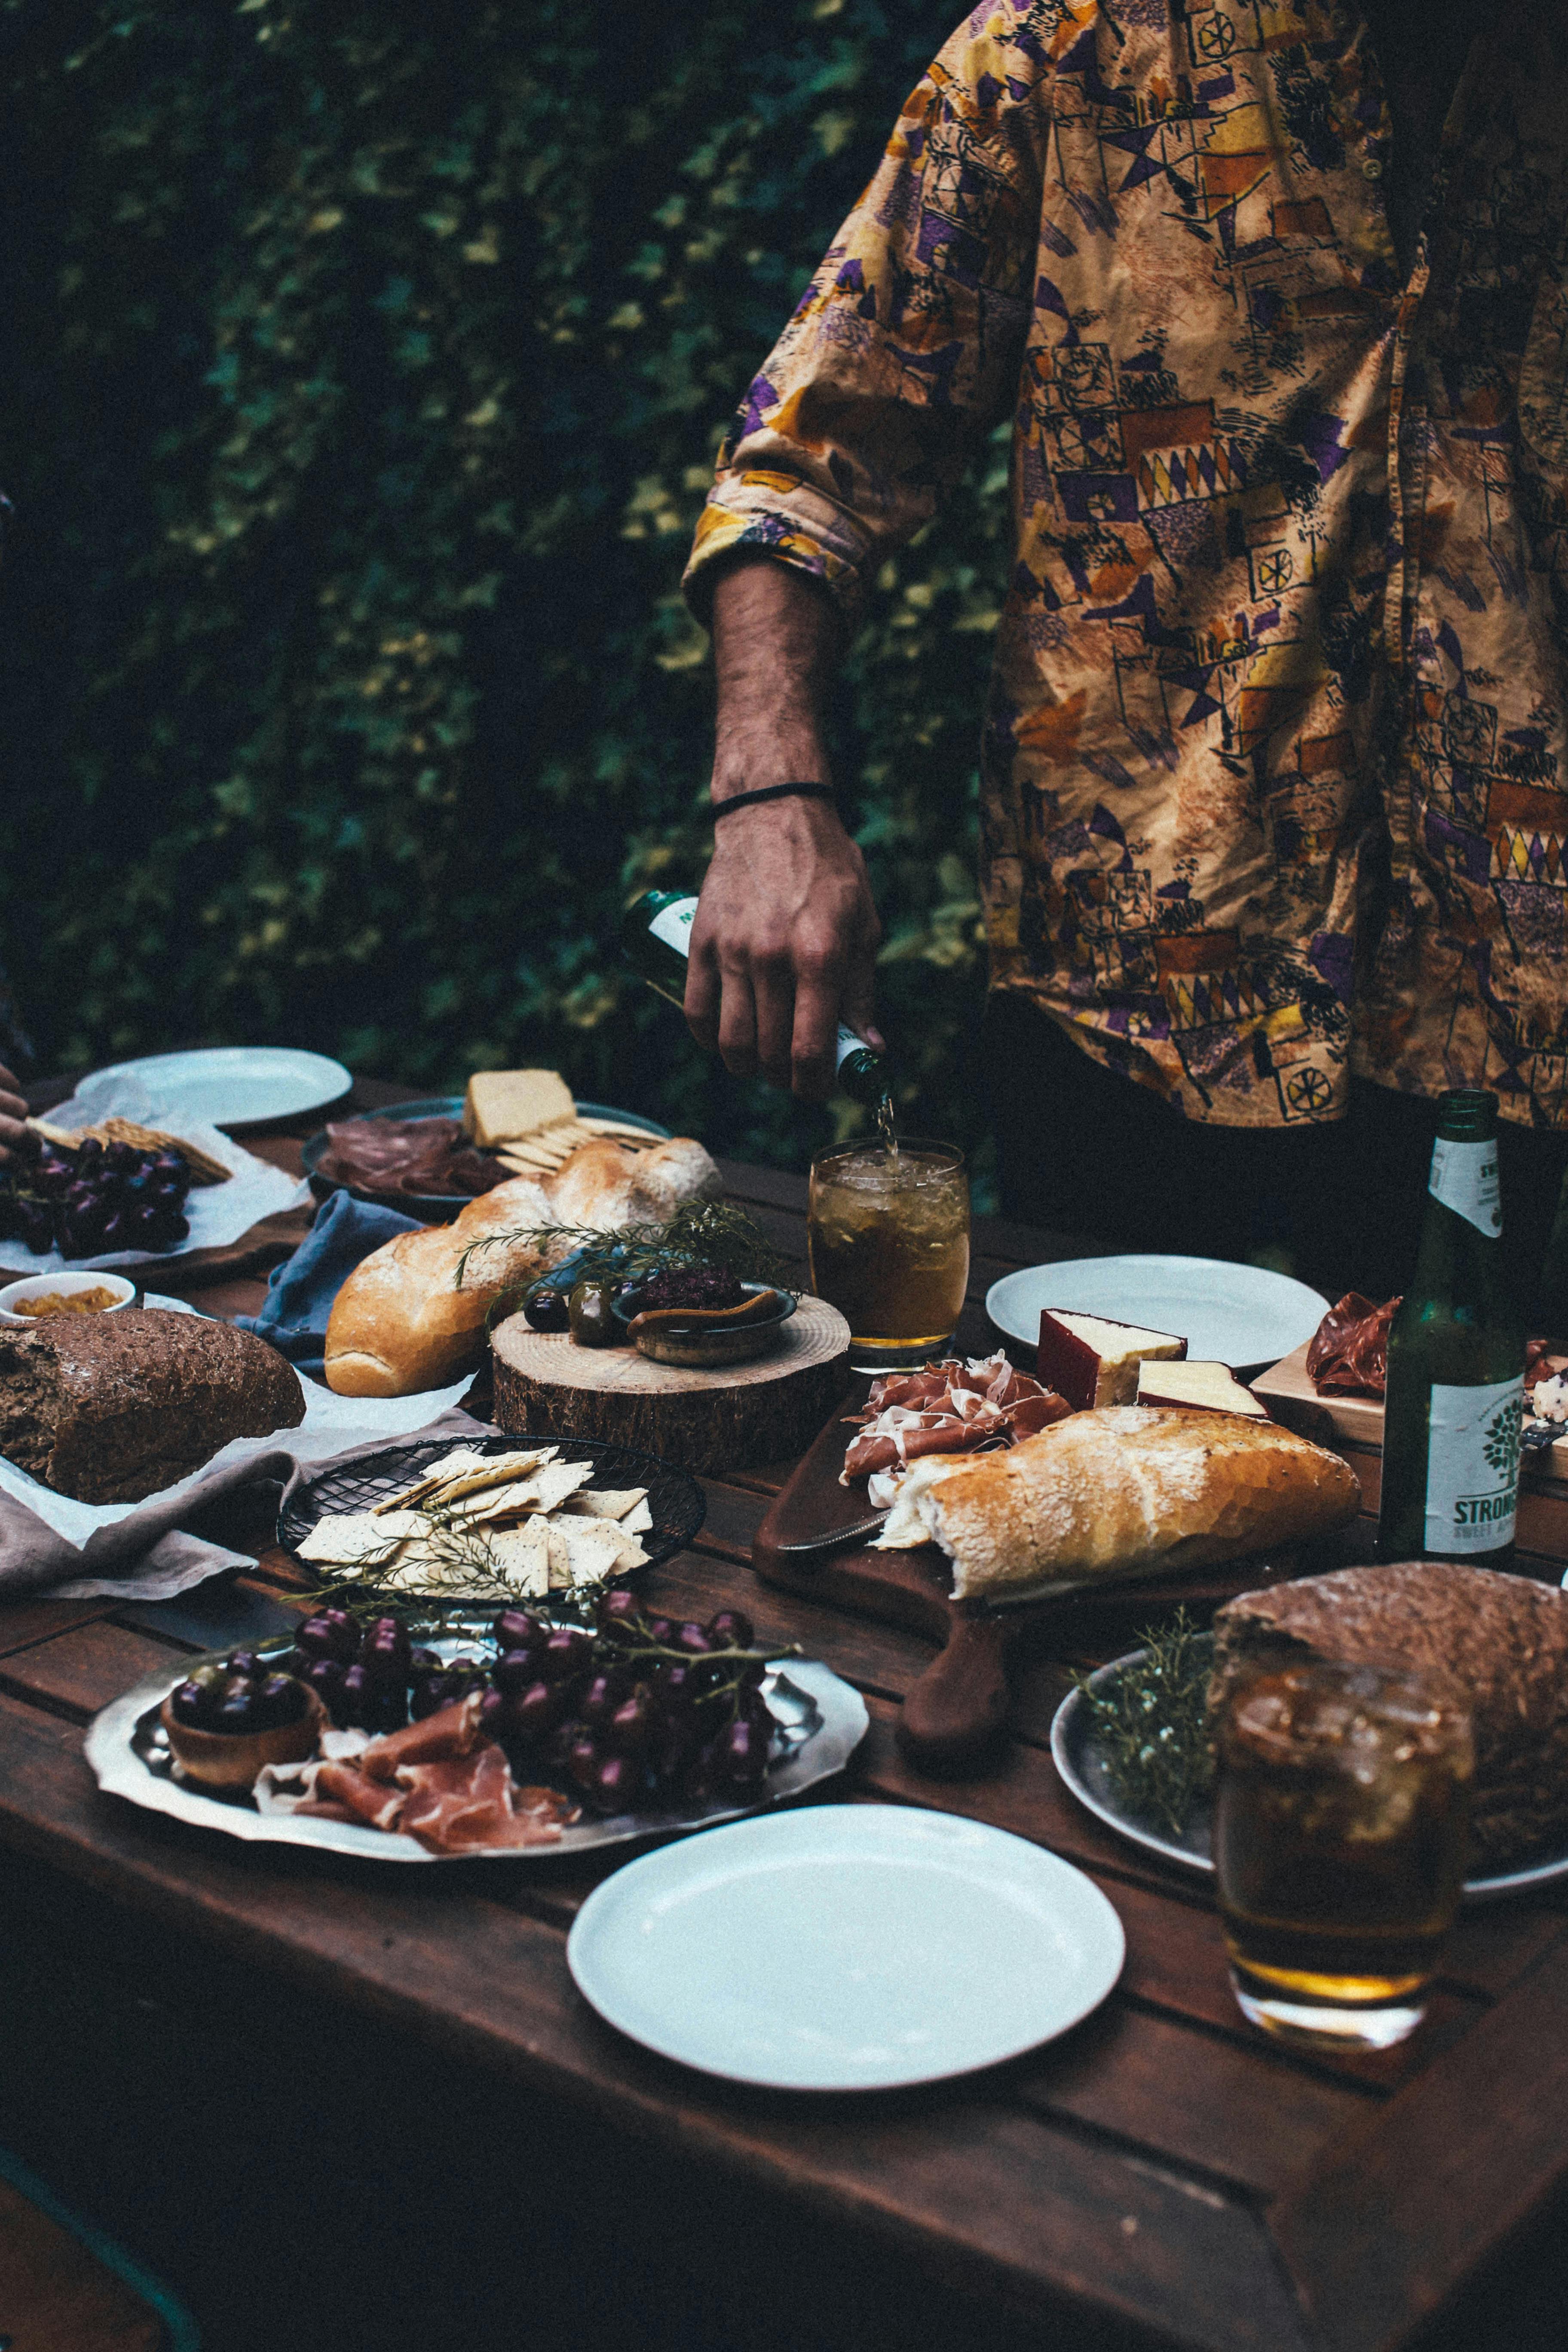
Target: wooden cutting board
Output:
{"points": [[952, 1718], [711, 1421]]}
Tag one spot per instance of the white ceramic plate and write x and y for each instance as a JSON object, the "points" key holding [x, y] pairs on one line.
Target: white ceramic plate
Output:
{"points": [[1081, 1760], [1238, 1315], [237, 1085], [846, 1947]]}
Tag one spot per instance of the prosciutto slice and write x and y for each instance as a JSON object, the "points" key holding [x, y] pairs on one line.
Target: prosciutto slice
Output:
{"points": [[438, 1782], [974, 1405]]}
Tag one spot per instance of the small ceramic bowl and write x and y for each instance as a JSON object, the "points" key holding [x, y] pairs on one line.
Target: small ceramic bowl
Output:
{"points": [[65, 1285], [231, 1759], [695, 1344]]}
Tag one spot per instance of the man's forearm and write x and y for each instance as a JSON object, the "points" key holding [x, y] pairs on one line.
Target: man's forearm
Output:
{"points": [[777, 642]]}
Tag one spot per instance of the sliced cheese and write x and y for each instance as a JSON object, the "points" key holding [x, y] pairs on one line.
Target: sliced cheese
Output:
{"points": [[1212, 1386], [509, 1106], [1090, 1360]]}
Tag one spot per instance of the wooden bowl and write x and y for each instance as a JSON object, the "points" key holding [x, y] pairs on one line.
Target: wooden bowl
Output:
{"points": [[231, 1759]]}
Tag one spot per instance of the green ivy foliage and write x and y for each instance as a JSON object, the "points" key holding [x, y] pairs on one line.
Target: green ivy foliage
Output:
{"points": [[367, 365]]}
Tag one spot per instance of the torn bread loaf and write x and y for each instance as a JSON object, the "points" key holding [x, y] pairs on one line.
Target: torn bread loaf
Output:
{"points": [[1121, 1491], [1498, 1642]]}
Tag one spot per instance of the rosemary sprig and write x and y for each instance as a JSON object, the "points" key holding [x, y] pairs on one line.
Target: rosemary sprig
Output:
{"points": [[1152, 1724], [700, 1233]]}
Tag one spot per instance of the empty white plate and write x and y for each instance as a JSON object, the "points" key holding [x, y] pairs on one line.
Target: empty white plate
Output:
{"points": [[846, 1947], [1238, 1315], [237, 1085]]}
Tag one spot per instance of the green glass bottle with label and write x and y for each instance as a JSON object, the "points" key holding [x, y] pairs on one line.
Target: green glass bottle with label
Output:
{"points": [[1455, 1362], [656, 938]]}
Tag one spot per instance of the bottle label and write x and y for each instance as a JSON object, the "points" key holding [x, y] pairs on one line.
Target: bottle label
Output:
{"points": [[1472, 1466], [846, 1043], [673, 925], [1464, 1178]]}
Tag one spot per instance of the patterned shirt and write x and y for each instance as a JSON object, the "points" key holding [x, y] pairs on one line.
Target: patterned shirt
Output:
{"points": [[1275, 766]]}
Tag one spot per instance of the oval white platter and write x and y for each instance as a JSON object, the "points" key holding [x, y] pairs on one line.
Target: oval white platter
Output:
{"points": [[823, 1722], [237, 1085], [1243, 1316], [847, 1948], [1081, 1760]]}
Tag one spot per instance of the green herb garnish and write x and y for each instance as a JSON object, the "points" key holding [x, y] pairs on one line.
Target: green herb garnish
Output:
{"points": [[1151, 1724], [700, 1233]]}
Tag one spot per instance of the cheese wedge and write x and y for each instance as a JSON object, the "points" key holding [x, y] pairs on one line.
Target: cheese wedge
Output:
{"points": [[1212, 1386], [507, 1106], [1092, 1361]]}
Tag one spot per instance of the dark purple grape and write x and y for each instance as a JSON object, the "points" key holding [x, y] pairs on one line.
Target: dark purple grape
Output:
{"points": [[330, 1634], [116, 1234], [38, 1227], [730, 1629], [626, 1733], [674, 1688], [121, 1159], [88, 1152], [169, 1231], [546, 1310], [354, 1697], [672, 1743], [692, 1640], [583, 1760], [515, 1629], [513, 1672], [619, 1608], [237, 1714], [741, 1757], [565, 1655], [660, 1630], [536, 1711], [602, 1698], [424, 1661], [325, 1677], [245, 1662], [616, 1787]]}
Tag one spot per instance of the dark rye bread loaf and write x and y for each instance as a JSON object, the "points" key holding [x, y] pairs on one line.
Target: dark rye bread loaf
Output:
{"points": [[109, 1408], [1500, 1643]]}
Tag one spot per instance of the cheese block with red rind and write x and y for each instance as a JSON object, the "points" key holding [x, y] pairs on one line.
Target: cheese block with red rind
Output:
{"points": [[1091, 1360]]}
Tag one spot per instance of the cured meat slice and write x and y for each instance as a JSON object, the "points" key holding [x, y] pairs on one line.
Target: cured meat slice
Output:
{"points": [[951, 1407], [361, 1799], [452, 1731], [466, 1803]]}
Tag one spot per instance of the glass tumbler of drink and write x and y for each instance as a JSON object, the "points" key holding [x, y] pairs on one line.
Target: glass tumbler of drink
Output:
{"points": [[1342, 1810], [888, 1234]]}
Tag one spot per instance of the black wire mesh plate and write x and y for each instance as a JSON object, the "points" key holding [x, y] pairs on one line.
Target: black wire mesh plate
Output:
{"points": [[674, 1500]]}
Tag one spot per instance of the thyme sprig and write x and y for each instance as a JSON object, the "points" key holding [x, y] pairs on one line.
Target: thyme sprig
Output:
{"points": [[1151, 1722]]}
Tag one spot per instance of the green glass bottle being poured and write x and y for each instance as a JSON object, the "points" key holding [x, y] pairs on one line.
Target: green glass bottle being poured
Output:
{"points": [[656, 938], [1456, 1363]]}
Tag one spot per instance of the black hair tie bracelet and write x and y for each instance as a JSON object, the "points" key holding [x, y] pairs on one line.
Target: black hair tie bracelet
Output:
{"points": [[774, 792]]}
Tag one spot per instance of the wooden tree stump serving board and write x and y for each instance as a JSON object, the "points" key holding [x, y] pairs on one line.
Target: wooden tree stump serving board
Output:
{"points": [[713, 1421]]}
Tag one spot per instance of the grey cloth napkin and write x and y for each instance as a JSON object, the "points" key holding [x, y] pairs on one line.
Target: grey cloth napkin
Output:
{"points": [[149, 1555]]}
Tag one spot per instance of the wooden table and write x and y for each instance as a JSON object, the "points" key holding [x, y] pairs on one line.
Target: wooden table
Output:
{"points": [[1161, 2176]]}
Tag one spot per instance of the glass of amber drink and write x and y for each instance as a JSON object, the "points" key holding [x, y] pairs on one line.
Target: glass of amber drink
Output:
{"points": [[888, 1234], [1341, 1808]]}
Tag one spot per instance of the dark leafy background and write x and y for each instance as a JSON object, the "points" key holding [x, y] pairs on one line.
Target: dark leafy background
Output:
{"points": [[364, 368]]}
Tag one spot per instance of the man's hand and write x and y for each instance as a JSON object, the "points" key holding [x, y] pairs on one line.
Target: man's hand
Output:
{"points": [[783, 945], [785, 937], [13, 1111]]}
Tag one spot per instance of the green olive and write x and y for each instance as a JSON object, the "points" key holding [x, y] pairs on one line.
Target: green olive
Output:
{"points": [[588, 1314]]}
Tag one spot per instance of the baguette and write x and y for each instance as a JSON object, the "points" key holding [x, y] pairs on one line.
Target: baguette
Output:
{"points": [[1122, 1490], [406, 1320], [1499, 1644]]}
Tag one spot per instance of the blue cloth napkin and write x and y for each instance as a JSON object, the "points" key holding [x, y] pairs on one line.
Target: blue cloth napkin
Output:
{"points": [[300, 1291]]}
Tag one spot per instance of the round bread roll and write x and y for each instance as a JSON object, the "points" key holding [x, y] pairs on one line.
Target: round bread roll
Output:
{"points": [[402, 1322]]}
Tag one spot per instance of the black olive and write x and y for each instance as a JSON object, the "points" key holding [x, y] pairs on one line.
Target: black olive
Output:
{"points": [[546, 1309]]}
